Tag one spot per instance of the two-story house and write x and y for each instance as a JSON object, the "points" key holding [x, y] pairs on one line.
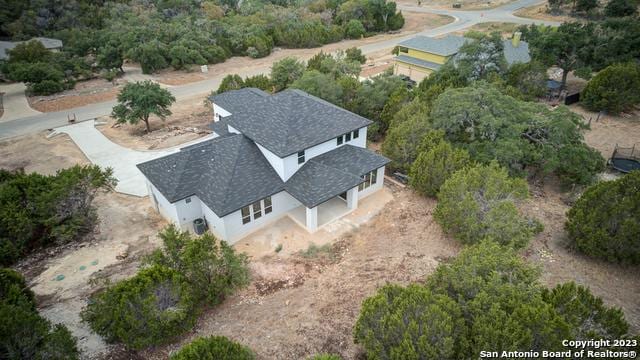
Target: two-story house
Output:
{"points": [[420, 56], [287, 154]]}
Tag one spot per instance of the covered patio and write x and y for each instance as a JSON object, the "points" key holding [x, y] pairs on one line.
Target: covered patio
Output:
{"points": [[322, 214]]}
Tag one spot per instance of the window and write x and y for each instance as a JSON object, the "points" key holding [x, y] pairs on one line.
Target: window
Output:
{"points": [[267, 205], [257, 210], [339, 140], [347, 137], [370, 178], [187, 200], [356, 133], [300, 157], [246, 215], [403, 49], [254, 211]]}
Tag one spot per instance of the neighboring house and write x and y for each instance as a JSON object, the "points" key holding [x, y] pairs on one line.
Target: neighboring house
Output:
{"points": [[288, 154], [419, 56], [50, 44]]}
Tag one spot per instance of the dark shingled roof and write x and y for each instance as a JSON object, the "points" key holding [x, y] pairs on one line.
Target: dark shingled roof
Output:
{"points": [[226, 173], [237, 100], [287, 122], [418, 62], [219, 127], [445, 46], [332, 173], [229, 172]]}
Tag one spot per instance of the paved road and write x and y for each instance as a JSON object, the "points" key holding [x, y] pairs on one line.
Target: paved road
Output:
{"points": [[464, 19], [104, 152]]}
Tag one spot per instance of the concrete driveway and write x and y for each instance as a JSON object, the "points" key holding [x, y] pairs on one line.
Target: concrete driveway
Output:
{"points": [[107, 154], [15, 102]]}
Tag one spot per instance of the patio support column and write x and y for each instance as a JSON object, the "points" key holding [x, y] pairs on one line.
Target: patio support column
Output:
{"points": [[312, 219], [352, 198]]}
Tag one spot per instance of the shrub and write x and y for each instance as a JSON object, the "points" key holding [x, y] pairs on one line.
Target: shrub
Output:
{"points": [[605, 221], [480, 202], [320, 85], [354, 29], [212, 267], [620, 8], [284, 72], [24, 334], [402, 141], [431, 331], [38, 210], [150, 308], [579, 164], [434, 166], [46, 87], [614, 89], [355, 54], [213, 347], [260, 81], [230, 82]]}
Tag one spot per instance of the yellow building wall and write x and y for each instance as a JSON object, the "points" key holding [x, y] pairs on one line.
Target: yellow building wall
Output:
{"points": [[438, 59]]}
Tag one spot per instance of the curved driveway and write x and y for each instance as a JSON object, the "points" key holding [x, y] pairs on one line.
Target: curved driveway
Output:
{"points": [[463, 20]]}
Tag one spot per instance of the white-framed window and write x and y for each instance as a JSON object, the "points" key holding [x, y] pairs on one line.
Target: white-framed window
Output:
{"points": [[339, 140], [267, 205], [187, 200], [301, 157], [356, 133], [255, 211], [370, 178], [347, 137]]}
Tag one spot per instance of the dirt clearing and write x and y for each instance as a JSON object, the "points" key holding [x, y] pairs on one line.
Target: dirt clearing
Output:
{"points": [[188, 122], [36, 153], [316, 301]]}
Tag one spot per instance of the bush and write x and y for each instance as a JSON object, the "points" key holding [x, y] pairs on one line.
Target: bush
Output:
{"points": [[614, 89], [211, 267], [24, 334], [579, 164], [354, 29], [487, 298], [621, 8], [153, 307], [434, 166], [480, 202], [320, 85], [284, 72], [431, 332], [402, 142], [605, 221], [355, 54], [46, 87], [260, 81], [213, 347], [230, 82], [38, 210]]}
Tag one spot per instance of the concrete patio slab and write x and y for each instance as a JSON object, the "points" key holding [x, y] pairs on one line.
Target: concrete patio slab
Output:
{"points": [[107, 154], [294, 238]]}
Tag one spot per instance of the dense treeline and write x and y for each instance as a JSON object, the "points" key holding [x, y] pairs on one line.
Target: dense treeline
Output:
{"points": [[98, 36]]}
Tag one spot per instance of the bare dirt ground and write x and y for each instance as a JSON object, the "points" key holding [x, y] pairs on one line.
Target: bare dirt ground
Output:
{"points": [[297, 307], [414, 22], [36, 153], [541, 12], [188, 122], [85, 92]]}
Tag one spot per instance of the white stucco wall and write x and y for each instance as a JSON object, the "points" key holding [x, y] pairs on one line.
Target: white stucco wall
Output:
{"points": [[291, 162], [187, 212], [375, 187], [166, 209], [216, 224], [282, 203], [219, 112], [276, 162]]}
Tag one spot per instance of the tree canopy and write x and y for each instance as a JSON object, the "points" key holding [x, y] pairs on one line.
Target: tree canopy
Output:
{"points": [[138, 101]]}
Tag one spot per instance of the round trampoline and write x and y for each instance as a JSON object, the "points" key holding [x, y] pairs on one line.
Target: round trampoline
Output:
{"points": [[625, 160]]}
